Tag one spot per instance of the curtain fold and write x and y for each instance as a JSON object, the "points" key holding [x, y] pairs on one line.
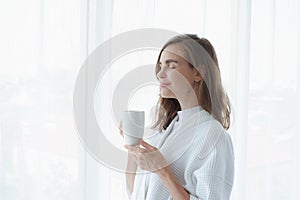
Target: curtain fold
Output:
{"points": [[239, 85]]}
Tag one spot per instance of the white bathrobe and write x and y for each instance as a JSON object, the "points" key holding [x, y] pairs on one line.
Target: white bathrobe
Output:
{"points": [[200, 154]]}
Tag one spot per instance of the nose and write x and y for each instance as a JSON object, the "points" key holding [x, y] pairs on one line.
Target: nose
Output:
{"points": [[161, 73]]}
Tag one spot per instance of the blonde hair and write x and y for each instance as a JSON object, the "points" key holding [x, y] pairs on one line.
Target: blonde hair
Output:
{"points": [[200, 54]]}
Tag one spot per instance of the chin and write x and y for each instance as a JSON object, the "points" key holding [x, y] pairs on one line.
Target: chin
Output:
{"points": [[166, 93]]}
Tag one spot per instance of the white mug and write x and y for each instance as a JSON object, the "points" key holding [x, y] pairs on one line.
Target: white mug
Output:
{"points": [[133, 126]]}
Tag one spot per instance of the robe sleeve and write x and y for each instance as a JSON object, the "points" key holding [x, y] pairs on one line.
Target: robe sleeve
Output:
{"points": [[214, 179], [212, 188]]}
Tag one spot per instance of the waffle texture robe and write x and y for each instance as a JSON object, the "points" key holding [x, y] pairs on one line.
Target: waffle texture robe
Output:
{"points": [[200, 154]]}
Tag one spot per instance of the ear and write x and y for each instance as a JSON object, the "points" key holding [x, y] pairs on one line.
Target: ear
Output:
{"points": [[198, 76]]}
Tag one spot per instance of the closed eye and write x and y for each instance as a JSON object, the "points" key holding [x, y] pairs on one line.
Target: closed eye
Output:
{"points": [[172, 66], [170, 63]]}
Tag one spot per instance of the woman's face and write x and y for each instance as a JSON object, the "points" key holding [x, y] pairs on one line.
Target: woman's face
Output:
{"points": [[175, 76]]}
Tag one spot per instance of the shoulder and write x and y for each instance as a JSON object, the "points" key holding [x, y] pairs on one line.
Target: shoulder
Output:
{"points": [[211, 136]]}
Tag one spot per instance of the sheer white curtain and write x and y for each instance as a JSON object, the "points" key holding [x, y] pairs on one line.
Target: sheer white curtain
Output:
{"points": [[40, 57], [44, 43]]}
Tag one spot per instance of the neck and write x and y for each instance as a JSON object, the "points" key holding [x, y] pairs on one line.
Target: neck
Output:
{"points": [[188, 102]]}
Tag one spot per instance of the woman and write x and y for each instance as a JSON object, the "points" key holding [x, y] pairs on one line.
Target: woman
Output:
{"points": [[191, 155]]}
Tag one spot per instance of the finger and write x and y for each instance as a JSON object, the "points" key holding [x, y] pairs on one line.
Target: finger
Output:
{"points": [[136, 149], [130, 148], [120, 128], [147, 146], [126, 147]]}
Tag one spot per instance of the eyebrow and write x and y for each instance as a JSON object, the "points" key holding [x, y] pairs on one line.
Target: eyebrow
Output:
{"points": [[168, 61]]}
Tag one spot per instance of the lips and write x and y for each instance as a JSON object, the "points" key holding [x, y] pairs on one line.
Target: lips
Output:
{"points": [[164, 84]]}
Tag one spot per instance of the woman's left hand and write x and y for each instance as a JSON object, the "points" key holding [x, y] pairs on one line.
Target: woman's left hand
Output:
{"points": [[148, 158]]}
